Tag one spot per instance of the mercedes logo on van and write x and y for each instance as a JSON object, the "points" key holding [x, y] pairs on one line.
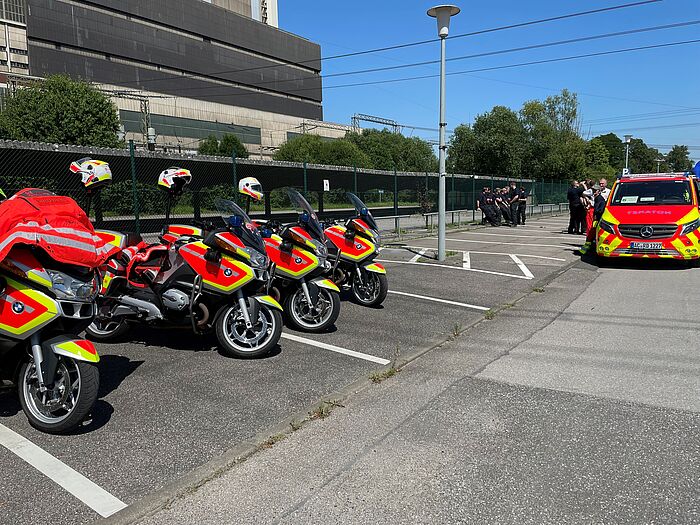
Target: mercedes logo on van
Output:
{"points": [[646, 231]]}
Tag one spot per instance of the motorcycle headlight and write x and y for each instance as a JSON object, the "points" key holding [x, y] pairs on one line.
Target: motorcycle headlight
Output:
{"points": [[67, 287], [606, 226], [257, 259], [690, 227]]}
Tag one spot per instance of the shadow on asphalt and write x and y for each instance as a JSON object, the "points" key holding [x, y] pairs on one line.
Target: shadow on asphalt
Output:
{"points": [[630, 263]]}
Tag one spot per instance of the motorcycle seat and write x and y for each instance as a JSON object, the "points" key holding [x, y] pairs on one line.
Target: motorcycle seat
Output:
{"points": [[133, 238]]}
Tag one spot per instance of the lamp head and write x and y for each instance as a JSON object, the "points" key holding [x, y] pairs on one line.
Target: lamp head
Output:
{"points": [[628, 139], [443, 13]]}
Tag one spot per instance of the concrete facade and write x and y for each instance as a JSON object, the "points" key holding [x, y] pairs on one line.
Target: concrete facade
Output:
{"points": [[223, 63]]}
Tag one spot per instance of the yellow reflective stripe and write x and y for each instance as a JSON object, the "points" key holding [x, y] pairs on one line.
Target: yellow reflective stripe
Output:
{"points": [[327, 283], [71, 349], [609, 217], [268, 300], [375, 268], [39, 297], [689, 217]]}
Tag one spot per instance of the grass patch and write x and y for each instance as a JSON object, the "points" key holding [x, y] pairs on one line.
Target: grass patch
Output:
{"points": [[378, 377], [538, 290], [489, 315], [324, 410], [450, 253], [272, 440]]}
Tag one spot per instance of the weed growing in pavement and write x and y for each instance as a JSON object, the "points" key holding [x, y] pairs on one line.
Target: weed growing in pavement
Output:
{"points": [[323, 410], [489, 315], [450, 253], [509, 305], [538, 290], [455, 330], [378, 377], [272, 440], [296, 425]]}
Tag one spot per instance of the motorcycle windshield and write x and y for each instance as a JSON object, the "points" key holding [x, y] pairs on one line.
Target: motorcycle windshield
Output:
{"points": [[363, 211], [308, 218], [239, 223]]}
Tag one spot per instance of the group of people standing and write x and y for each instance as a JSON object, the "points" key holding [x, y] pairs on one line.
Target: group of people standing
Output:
{"points": [[586, 204], [499, 205]]}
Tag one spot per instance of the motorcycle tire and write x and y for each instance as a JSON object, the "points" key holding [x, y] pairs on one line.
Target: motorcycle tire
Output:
{"points": [[117, 332], [380, 284], [297, 319], [234, 345], [84, 378]]}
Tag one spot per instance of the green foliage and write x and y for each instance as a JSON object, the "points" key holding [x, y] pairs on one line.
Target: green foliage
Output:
{"points": [[61, 110], [388, 151], [315, 150], [597, 160], [224, 147], [678, 159], [616, 150]]}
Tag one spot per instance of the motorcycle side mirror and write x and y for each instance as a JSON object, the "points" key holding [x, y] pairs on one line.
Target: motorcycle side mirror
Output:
{"points": [[212, 256], [349, 233], [286, 247]]}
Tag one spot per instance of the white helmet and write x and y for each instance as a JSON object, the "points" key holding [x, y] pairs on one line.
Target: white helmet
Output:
{"points": [[173, 180], [94, 173], [251, 187]]}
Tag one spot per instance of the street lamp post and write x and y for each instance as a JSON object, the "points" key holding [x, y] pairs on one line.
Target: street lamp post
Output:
{"points": [[442, 13], [628, 140]]}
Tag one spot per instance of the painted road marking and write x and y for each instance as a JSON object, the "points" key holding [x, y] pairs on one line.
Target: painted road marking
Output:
{"points": [[336, 349], [495, 253], [418, 255], [78, 485], [497, 235], [505, 243], [466, 260], [460, 268], [445, 301], [526, 271]]}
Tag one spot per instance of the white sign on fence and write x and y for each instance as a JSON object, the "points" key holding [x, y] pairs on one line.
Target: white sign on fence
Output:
{"points": [[326, 185]]}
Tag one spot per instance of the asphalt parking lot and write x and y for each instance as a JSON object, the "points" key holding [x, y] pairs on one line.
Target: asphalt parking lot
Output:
{"points": [[169, 402]]}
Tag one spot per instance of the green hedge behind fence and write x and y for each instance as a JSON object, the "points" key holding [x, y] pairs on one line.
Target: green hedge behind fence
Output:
{"points": [[134, 203]]}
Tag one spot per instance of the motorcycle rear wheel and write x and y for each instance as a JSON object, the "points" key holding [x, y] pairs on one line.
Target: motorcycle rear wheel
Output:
{"points": [[66, 406], [300, 316], [107, 329], [372, 291], [238, 341]]}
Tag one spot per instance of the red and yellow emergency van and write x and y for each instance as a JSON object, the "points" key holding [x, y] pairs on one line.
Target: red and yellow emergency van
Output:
{"points": [[651, 215]]}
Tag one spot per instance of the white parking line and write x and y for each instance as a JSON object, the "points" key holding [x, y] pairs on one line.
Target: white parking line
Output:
{"points": [[526, 271], [336, 349], [419, 255], [466, 260], [497, 235], [493, 253], [505, 243], [460, 268], [78, 485], [436, 300]]}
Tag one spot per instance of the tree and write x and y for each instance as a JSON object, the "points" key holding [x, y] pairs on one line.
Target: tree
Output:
{"points": [[678, 159], [461, 151], [616, 150], [642, 157], [597, 159], [387, 150], [61, 110], [316, 150], [224, 147]]}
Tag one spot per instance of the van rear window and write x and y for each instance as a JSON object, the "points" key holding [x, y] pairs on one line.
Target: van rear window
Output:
{"points": [[650, 193]]}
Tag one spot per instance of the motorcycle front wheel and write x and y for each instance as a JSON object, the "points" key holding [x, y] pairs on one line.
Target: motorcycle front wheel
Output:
{"points": [[372, 290], [312, 319], [237, 340], [65, 406]]}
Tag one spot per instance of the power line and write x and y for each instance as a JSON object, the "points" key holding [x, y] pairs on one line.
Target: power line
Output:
{"points": [[409, 44], [476, 55], [521, 64]]}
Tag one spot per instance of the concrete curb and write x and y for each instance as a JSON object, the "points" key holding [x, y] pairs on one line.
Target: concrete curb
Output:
{"points": [[212, 469]]}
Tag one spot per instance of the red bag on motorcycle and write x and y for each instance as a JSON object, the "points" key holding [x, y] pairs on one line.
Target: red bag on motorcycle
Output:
{"points": [[54, 223]]}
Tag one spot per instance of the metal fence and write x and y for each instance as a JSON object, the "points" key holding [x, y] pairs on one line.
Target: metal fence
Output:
{"points": [[133, 202]]}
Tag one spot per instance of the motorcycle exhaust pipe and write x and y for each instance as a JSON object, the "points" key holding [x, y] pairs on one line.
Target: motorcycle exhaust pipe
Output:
{"points": [[204, 311], [275, 293]]}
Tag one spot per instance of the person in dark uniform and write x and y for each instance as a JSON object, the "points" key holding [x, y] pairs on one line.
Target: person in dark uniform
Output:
{"points": [[489, 208], [503, 207], [514, 203], [522, 205], [480, 203], [573, 195]]}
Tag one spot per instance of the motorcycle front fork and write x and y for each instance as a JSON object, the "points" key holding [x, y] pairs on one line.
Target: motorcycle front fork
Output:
{"points": [[244, 309], [307, 295], [45, 365]]}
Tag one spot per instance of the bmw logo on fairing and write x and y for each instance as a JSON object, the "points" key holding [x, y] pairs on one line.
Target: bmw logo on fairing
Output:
{"points": [[358, 246], [298, 260], [17, 307], [228, 272]]}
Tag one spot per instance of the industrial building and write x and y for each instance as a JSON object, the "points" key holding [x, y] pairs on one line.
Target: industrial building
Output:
{"points": [[186, 68]]}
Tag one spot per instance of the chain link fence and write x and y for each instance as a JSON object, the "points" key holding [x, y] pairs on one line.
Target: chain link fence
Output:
{"points": [[134, 203]]}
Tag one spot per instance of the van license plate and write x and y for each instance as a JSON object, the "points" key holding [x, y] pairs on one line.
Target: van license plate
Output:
{"points": [[647, 245]]}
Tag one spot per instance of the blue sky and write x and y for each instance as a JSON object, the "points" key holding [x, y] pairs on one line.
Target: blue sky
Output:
{"points": [[663, 81]]}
